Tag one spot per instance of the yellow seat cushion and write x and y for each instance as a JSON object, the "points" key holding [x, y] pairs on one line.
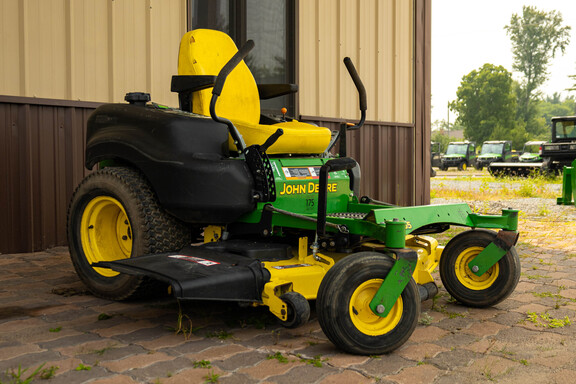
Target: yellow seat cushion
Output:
{"points": [[205, 52]]}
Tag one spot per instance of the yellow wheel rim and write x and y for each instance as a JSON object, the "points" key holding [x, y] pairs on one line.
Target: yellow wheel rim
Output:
{"points": [[362, 316], [464, 167], [105, 233], [467, 277]]}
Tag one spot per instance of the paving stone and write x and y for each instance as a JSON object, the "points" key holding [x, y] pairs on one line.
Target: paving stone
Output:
{"points": [[135, 361], [111, 353], [427, 334], [303, 374], [193, 375], [420, 351], [117, 379], [237, 378], [421, 374], [219, 352], [124, 328], [347, 377], [271, 367], [164, 370], [240, 360], [28, 360], [69, 341], [385, 365], [18, 350], [454, 359]]}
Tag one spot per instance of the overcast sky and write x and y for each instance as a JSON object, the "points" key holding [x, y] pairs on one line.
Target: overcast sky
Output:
{"points": [[467, 34]]}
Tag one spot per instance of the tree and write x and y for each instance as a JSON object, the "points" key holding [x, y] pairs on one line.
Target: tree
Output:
{"points": [[486, 104], [536, 37]]}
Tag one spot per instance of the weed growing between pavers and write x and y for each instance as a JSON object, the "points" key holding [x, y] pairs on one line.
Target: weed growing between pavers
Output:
{"points": [[211, 377], [278, 356], [545, 320], [17, 376], [202, 364]]}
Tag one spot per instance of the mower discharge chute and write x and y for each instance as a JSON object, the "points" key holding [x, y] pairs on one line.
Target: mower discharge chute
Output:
{"points": [[280, 217]]}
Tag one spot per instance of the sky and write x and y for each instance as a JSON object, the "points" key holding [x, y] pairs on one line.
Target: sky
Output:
{"points": [[467, 34]]}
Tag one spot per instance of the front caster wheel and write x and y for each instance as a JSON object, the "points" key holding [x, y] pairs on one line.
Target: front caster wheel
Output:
{"points": [[298, 309], [471, 290], [343, 308]]}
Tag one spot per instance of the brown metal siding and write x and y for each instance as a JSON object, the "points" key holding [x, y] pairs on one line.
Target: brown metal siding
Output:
{"points": [[41, 162]]}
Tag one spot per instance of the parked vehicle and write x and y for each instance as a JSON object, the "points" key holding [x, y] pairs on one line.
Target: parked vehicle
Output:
{"points": [[460, 155], [496, 152], [560, 152]]}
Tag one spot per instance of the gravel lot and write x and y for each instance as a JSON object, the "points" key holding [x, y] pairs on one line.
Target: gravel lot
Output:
{"points": [[533, 208]]}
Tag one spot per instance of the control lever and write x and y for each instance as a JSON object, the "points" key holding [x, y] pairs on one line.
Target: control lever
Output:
{"points": [[271, 140]]}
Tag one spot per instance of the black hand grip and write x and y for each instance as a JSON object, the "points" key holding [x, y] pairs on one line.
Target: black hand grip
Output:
{"points": [[357, 82], [341, 164], [271, 140], [230, 65]]}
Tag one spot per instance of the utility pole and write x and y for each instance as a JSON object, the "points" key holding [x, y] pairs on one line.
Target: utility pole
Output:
{"points": [[448, 120]]}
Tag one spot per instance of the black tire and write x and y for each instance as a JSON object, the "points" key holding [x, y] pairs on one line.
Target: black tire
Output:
{"points": [[462, 166], [298, 309], [443, 167], [484, 291], [354, 328], [478, 167], [114, 214]]}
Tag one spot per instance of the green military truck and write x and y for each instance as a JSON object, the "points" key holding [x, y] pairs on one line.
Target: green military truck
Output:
{"points": [[459, 154]]}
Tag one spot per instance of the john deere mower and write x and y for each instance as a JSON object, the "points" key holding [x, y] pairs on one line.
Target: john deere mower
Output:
{"points": [[221, 203]]}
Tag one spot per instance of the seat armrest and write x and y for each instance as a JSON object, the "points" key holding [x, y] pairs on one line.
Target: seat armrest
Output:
{"points": [[185, 85], [269, 91], [191, 83]]}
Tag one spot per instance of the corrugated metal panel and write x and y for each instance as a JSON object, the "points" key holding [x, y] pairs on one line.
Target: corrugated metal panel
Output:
{"points": [[90, 50], [41, 162], [378, 35], [379, 150]]}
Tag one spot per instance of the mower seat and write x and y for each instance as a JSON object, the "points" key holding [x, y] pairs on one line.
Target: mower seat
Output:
{"points": [[204, 52]]}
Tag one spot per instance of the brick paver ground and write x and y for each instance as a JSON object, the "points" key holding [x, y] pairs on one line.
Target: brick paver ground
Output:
{"points": [[48, 319]]}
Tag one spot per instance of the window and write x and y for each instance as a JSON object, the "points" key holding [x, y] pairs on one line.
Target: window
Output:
{"points": [[272, 27]]}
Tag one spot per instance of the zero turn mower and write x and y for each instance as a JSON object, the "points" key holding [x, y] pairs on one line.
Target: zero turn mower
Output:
{"points": [[281, 218]]}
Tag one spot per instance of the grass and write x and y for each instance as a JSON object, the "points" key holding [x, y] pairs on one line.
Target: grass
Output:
{"points": [[528, 187], [17, 376]]}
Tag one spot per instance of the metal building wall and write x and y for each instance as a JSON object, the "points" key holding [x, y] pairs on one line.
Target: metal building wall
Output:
{"points": [[41, 163], [54, 53], [90, 50], [388, 40]]}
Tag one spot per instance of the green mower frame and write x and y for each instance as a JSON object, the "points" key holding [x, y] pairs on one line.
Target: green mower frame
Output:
{"points": [[301, 233]]}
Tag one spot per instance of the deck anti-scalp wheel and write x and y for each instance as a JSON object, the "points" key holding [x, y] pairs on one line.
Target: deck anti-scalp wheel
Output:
{"points": [[298, 309], [477, 291], [343, 308], [114, 215]]}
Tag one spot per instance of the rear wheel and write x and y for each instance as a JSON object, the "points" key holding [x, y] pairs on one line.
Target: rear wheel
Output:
{"points": [[114, 215], [477, 291], [343, 308], [443, 167]]}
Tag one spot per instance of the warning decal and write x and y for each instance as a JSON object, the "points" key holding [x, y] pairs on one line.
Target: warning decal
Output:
{"points": [[197, 260]]}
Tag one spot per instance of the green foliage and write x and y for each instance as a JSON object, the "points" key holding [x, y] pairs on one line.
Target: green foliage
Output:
{"points": [[536, 36], [441, 138], [554, 106], [82, 367], [212, 377], [486, 104], [278, 356], [202, 364]]}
